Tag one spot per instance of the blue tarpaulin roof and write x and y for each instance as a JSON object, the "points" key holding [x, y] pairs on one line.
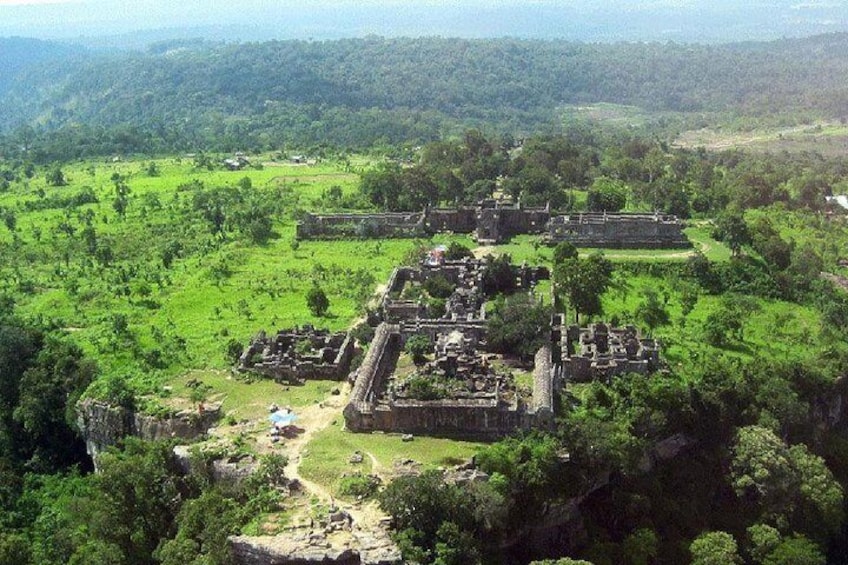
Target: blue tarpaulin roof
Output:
{"points": [[282, 417]]}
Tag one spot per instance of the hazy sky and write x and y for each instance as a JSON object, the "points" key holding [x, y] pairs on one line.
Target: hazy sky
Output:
{"points": [[594, 20]]}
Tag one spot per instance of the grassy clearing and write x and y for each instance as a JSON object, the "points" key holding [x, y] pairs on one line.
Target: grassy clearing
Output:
{"points": [[151, 323], [825, 138], [530, 249], [701, 237], [774, 328], [328, 456], [248, 399], [605, 113]]}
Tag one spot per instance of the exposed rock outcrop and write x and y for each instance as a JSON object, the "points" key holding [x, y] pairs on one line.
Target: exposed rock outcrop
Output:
{"points": [[103, 424], [364, 548]]}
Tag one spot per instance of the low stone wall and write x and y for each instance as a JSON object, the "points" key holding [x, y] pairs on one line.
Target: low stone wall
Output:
{"points": [[471, 418], [456, 220], [543, 387], [336, 226], [493, 222], [475, 329], [384, 350]]}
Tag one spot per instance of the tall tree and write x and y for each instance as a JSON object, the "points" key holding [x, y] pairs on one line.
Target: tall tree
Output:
{"points": [[582, 282], [791, 487]]}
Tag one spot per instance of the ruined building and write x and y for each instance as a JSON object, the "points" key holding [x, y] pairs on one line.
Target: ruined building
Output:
{"points": [[462, 389], [465, 390], [631, 231], [460, 393], [494, 222], [600, 352], [298, 354]]}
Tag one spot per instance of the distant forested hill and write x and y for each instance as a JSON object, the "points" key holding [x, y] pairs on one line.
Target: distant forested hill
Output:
{"points": [[361, 92], [18, 53]]}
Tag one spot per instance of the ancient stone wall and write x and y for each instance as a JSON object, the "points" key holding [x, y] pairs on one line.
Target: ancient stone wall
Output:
{"points": [[337, 226], [476, 329], [497, 222], [471, 418], [494, 222], [543, 387], [649, 231], [456, 220], [473, 415], [393, 307], [378, 363]]}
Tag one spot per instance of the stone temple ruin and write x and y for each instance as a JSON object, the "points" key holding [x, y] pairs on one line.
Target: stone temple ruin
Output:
{"points": [[494, 222], [298, 354], [600, 352], [465, 390], [459, 393], [633, 231], [462, 389]]}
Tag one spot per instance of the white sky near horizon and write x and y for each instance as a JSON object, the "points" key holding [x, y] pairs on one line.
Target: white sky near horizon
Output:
{"points": [[625, 19]]}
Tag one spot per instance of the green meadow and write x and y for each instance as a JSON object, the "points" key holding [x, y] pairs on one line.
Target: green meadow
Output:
{"points": [[148, 323], [328, 456]]}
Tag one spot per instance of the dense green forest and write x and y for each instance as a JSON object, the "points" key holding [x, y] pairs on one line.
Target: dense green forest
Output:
{"points": [[363, 92]]}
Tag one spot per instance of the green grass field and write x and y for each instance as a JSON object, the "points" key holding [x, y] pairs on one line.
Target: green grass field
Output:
{"points": [[774, 328], [328, 456], [150, 323]]}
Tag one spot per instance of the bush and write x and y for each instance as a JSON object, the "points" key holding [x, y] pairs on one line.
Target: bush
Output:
{"points": [[457, 251], [359, 486], [418, 346], [363, 333], [234, 350], [438, 287], [518, 325], [317, 301]]}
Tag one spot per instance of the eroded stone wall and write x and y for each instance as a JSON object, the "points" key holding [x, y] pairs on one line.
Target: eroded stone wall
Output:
{"points": [[649, 231]]}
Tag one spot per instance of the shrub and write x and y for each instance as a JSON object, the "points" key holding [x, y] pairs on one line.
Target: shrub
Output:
{"points": [[418, 346], [359, 486], [317, 301]]}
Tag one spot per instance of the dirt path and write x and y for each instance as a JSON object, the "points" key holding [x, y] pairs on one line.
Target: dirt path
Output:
{"points": [[313, 419], [647, 255], [483, 250]]}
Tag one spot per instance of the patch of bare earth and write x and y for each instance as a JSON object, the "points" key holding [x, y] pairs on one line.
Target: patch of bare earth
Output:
{"points": [[483, 250]]}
